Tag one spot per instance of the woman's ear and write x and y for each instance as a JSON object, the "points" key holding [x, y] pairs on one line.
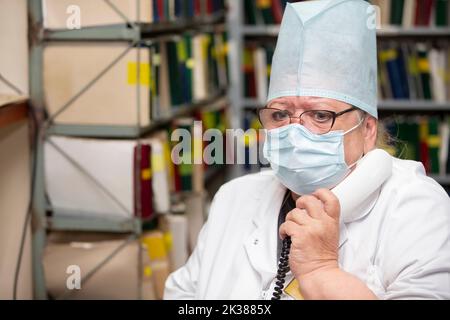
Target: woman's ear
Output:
{"points": [[370, 129]]}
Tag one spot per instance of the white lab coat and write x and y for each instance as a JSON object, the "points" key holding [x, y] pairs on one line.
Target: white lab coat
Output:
{"points": [[398, 244]]}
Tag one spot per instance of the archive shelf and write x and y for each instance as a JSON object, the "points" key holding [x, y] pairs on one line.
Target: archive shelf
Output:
{"points": [[442, 179], [133, 34], [413, 105], [65, 220], [384, 31], [129, 132]]}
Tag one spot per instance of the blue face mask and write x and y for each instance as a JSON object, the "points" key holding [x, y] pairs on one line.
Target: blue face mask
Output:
{"points": [[304, 161]]}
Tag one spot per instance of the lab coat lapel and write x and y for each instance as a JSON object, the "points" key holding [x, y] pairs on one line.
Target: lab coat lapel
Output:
{"points": [[261, 245]]}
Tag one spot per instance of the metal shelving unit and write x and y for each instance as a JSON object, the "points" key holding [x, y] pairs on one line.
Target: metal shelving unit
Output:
{"points": [[131, 32], [129, 132], [75, 221], [66, 220], [385, 31], [445, 180]]}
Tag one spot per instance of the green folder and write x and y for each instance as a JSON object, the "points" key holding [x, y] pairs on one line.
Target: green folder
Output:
{"points": [[397, 12], [213, 62], [434, 143], [441, 13], [185, 169], [189, 65], [250, 10], [174, 74]]}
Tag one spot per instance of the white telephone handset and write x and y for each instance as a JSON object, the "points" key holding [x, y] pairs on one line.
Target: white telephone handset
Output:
{"points": [[370, 173]]}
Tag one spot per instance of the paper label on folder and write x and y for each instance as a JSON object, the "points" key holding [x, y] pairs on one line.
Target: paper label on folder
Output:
{"points": [[146, 174], [434, 141], [424, 65], [158, 162], [144, 73]]}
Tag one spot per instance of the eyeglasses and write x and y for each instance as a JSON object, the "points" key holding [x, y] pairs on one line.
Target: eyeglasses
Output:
{"points": [[316, 121]]}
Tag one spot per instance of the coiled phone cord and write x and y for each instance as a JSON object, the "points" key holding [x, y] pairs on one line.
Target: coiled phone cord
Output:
{"points": [[283, 268]]}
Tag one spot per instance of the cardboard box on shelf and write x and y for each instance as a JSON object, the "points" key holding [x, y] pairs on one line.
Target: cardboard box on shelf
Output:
{"points": [[113, 99], [60, 14], [14, 44]]}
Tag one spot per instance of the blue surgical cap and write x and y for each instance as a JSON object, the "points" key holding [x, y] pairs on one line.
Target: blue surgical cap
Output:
{"points": [[327, 48]]}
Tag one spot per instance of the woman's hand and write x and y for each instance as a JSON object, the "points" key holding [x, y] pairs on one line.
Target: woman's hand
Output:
{"points": [[314, 230]]}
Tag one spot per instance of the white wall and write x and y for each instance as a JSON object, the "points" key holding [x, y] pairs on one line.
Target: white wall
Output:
{"points": [[14, 197], [14, 153]]}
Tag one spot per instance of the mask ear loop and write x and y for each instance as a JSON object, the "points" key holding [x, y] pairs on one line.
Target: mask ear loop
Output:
{"points": [[363, 154], [354, 128]]}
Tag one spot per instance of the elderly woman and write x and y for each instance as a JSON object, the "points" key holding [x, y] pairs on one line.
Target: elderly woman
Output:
{"points": [[321, 121]]}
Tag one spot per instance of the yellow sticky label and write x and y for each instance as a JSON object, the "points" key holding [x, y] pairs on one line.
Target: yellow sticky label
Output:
{"points": [[434, 141], [158, 162], [144, 73], [293, 290], [148, 271], [387, 55], [424, 65], [181, 50], [263, 4], [146, 174], [190, 63], [155, 246]]}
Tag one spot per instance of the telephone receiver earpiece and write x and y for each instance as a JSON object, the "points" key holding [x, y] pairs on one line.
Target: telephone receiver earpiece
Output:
{"points": [[370, 173]]}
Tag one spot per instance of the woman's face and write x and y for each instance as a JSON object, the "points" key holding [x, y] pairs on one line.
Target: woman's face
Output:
{"points": [[362, 139]]}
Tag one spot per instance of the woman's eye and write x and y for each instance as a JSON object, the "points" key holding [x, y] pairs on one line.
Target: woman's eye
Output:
{"points": [[279, 115], [322, 116]]}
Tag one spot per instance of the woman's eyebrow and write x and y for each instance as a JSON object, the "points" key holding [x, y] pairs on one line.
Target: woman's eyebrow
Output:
{"points": [[319, 105], [281, 102]]}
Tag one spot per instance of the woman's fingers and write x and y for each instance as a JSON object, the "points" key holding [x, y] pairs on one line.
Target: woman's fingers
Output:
{"points": [[330, 202], [312, 205], [299, 216], [290, 229]]}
